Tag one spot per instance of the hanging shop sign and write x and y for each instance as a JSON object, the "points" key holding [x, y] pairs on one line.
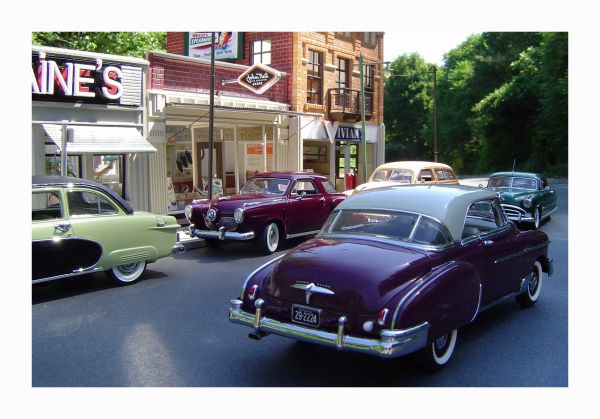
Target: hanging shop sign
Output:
{"points": [[259, 78], [228, 45], [348, 134], [61, 78]]}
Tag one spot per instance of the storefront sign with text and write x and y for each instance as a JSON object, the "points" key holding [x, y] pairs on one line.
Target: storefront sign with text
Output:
{"points": [[259, 78], [75, 80]]}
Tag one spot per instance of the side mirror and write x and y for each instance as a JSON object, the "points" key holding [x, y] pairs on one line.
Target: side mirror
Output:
{"points": [[480, 185]]}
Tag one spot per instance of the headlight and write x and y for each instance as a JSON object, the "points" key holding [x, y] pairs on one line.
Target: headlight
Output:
{"points": [[211, 215], [188, 212], [527, 202], [238, 215]]}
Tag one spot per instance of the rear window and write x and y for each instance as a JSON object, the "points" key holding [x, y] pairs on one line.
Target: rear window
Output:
{"points": [[394, 225], [444, 174], [328, 186]]}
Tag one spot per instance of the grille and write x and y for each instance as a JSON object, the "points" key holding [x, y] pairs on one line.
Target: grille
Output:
{"points": [[227, 222], [512, 211]]}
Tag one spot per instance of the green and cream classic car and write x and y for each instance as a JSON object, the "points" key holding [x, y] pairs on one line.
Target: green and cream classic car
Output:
{"points": [[80, 226], [525, 197]]}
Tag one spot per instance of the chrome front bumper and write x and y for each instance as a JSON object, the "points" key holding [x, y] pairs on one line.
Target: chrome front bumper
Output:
{"points": [[392, 343], [221, 234]]}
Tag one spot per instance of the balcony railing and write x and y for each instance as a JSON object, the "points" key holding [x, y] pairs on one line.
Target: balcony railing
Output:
{"points": [[344, 105]]}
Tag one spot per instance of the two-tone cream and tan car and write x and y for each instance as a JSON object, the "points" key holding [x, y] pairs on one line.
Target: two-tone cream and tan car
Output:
{"points": [[408, 172]]}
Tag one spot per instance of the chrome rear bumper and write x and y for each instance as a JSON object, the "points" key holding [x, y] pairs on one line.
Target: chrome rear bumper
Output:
{"points": [[392, 343], [221, 234]]}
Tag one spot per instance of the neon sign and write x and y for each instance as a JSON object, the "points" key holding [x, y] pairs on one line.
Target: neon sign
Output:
{"points": [[65, 80]]}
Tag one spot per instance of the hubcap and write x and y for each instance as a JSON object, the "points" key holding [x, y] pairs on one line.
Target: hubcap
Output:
{"points": [[128, 268], [272, 236], [533, 284]]}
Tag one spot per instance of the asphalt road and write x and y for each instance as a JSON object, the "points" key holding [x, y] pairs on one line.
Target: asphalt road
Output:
{"points": [[171, 329]]}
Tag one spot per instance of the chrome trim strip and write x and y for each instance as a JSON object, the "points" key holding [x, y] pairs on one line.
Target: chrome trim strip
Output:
{"points": [[391, 344], [308, 233], [76, 273], [417, 287], [254, 272], [521, 252], [478, 304]]}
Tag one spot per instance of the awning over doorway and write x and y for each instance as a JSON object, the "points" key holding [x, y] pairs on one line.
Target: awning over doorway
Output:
{"points": [[100, 139]]}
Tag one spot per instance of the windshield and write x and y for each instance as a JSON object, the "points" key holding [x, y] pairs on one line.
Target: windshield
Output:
{"points": [[394, 225], [394, 175], [512, 182], [265, 185]]}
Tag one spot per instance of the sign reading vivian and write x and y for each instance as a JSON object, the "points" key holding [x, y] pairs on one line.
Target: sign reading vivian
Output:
{"points": [[259, 78]]}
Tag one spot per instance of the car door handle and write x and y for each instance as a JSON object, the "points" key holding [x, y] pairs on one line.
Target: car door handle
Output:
{"points": [[322, 200], [488, 243]]}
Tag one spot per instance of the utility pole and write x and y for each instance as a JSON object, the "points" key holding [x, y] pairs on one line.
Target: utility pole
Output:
{"points": [[211, 116], [435, 118]]}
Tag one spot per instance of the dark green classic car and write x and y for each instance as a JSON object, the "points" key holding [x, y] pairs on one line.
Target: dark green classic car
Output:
{"points": [[525, 197]]}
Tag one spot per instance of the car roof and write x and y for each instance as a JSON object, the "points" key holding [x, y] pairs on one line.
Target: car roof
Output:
{"points": [[63, 181], [412, 165], [517, 174], [445, 203], [291, 175]]}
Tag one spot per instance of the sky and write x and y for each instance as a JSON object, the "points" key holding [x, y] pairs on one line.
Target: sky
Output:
{"points": [[431, 45]]}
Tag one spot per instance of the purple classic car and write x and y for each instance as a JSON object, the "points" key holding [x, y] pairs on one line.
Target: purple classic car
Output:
{"points": [[397, 271], [270, 206]]}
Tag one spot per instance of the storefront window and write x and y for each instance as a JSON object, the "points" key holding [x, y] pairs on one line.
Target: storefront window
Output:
{"points": [[53, 164], [108, 170]]}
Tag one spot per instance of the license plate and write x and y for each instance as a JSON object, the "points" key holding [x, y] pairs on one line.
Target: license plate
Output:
{"points": [[306, 315]]}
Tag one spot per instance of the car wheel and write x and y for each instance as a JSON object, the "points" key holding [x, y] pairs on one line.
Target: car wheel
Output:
{"points": [[437, 354], [537, 217], [534, 287], [212, 243], [269, 239], [128, 273]]}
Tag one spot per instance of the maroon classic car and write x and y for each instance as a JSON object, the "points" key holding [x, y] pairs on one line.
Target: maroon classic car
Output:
{"points": [[396, 271], [269, 206]]}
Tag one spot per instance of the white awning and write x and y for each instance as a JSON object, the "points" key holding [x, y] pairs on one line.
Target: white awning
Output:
{"points": [[100, 139]]}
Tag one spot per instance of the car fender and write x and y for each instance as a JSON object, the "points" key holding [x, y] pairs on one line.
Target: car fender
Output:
{"points": [[257, 217], [447, 297]]}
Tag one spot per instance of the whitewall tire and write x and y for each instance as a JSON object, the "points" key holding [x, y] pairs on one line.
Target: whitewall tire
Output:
{"points": [[534, 287], [128, 273], [269, 239], [438, 353]]}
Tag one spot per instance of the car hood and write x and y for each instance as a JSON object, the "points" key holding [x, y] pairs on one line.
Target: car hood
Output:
{"points": [[512, 195], [228, 204], [360, 275]]}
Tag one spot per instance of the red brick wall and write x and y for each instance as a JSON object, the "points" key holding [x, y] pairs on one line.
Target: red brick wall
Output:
{"points": [[175, 43], [185, 76], [174, 74]]}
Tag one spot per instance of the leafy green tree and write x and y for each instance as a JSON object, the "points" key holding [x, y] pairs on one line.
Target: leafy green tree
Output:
{"points": [[525, 119], [133, 44], [407, 104]]}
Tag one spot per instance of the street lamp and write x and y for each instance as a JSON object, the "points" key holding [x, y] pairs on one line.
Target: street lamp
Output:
{"points": [[363, 130]]}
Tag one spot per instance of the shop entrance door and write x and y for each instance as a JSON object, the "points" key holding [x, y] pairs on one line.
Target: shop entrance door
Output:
{"points": [[346, 160], [201, 167]]}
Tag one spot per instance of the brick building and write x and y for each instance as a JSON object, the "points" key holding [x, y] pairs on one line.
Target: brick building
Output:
{"points": [[308, 120]]}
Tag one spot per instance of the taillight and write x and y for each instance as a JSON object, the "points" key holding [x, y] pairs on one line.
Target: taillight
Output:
{"points": [[252, 292], [382, 316]]}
